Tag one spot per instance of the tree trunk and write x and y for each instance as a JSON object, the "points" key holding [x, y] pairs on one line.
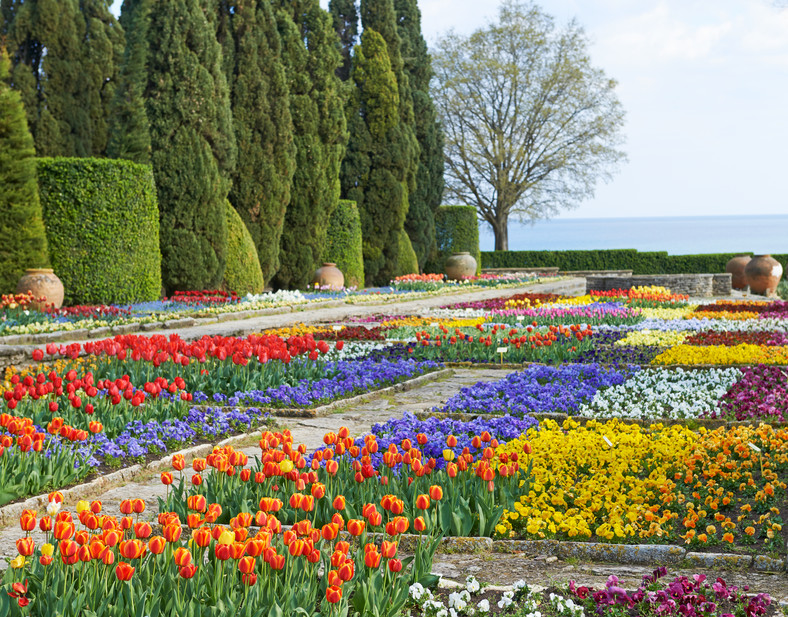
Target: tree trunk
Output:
{"points": [[501, 231]]}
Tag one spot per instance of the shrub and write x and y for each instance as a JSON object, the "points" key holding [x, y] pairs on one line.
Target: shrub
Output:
{"points": [[102, 225], [243, 273], [456, 230], [22, 238], [407, 261], [344, 243], [650, 262]]}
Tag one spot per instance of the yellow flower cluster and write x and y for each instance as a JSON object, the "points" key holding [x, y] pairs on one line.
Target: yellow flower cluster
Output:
{"points": [[412, 321], [298, 329], [612, 481], [576, 300], [660, 338], [670, 313], [524, 303], [584, 487], [724, 315], [723, 354], [650, 290]]}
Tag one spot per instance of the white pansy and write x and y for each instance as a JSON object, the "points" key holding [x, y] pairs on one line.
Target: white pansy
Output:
{"points": [[483, 606]]}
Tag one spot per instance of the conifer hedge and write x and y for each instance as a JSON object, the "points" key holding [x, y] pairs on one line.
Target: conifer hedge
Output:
{"points": [[22, 239], [102, 225], [243, 273], [344, 243], [648, 262]]}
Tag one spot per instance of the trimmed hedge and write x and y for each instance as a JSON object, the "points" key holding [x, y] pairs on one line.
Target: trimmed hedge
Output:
{"points": [[407, 261], [243, 273], [344, 243], [651, 262], [102, 224], [456, 230]]}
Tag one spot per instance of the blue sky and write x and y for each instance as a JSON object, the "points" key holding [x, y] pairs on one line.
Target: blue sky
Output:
{"points": [[705, 87]]}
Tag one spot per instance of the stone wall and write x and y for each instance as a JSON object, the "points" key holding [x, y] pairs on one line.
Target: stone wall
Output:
{"points": [[696, 285]]}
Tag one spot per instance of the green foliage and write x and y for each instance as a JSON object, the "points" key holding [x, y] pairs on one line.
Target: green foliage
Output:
{"points": [[651, 262], [426, 198], [66, 56], [310, 55], [344, 243], [529, 124], [22, 238], [260, 101], [242, 274], [344, 17], [407, 262], [456, 230], [129, 134], [102, 227], [193, 146]]}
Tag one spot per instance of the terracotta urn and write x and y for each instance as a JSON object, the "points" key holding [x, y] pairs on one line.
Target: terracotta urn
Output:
{"points": [[328, 275], [44, 283], [763, 274], [736, 268], [460, 266]]}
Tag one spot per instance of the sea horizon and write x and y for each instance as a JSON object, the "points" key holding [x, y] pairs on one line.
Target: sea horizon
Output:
{"points": [[678, 235]]}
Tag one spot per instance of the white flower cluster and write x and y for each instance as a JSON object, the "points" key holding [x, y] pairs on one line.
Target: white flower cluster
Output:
{"points": [[352, 350], [566, 606], [663, 393], [283, 296]]}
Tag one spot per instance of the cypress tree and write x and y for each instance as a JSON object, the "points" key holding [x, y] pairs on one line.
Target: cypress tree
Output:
{"points": [[379, 171], [425, 200], [345, 18], [311, 58], [193, 147], [22, 238], [129, 136], [260, 102], [66, 56]]}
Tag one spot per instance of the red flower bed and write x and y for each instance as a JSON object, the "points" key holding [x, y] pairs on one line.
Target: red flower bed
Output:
{"points": [[354, 333], [737, 338], [734, 307]]}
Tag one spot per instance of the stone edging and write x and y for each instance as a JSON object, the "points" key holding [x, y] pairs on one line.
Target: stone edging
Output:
{"points": [[10, 514]]}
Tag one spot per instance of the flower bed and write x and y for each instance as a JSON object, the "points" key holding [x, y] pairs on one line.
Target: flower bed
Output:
{"points": [[539, 390], [615, 482]]}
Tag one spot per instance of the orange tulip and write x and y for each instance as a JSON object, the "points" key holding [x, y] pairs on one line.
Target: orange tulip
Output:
{"points": [[355, 527], [25, 546], [182, 557], [419, 524], [388, 549], [187, 571], [124, 571], [436, 492], [246, 565], [166, 478], [157, 544], [423, 502], [196, 503], [28, 520], [143, 530], [172, 532], [347, 570], [333, 594]]}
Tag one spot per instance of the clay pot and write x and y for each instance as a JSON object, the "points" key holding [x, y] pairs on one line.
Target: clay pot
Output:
{"points": [[763, 274], [736, 268], [44, 283], [460, 266], [329, 276]]}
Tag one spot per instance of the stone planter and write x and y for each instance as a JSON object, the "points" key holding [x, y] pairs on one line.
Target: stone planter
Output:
{"points": [[736, 268], [43, 283], [460, 266], [763, 274], [328, 275]]}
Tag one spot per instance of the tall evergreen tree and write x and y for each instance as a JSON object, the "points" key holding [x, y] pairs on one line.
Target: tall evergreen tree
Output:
{"points": [[66, 56], [260, 101], [192, 143], [311, 58], [129, 136], [345, 17], [22, 238], [425, 200], [379, 171]]}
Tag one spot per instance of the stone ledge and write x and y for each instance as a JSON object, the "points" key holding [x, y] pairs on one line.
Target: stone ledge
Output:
{"points": [[641, 554], [720, 561]]}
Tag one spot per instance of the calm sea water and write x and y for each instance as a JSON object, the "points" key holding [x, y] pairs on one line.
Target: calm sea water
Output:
{"points": [[676, 235]]}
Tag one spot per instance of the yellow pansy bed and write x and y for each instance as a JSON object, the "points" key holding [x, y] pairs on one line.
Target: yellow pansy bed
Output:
{"points": [[662, 484], [660, 338], [413, 321], [723, 355], [299, 329], [685, 312], [738, 315]]}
